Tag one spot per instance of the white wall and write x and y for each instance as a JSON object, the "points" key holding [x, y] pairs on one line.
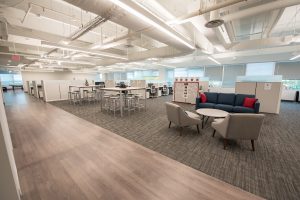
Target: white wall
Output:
{"points": [[9, 182], [38, 76]]}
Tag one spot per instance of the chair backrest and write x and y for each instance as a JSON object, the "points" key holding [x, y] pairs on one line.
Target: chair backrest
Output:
{"points": [[153, 90], [244, 125], [173, 112], [165, 88]]}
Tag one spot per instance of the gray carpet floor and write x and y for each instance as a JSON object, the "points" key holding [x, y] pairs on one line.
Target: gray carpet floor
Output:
{"points": [[272, 171]]}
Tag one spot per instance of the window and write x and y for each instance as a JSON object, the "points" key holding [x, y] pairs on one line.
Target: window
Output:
{"points": [[180, 72], [260, 69], [7, 79], [143, 75], [196, 72], [291, 84], [170, 75]]}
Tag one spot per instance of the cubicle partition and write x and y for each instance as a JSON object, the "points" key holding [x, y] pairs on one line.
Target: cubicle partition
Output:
{"points": [[268, 94], [139, 84], [57, 90]]}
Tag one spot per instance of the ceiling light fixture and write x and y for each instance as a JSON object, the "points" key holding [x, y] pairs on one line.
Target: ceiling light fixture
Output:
{"points": [[295, 57], [65, 42], [214, 60], [149, 21], [164, 65]]}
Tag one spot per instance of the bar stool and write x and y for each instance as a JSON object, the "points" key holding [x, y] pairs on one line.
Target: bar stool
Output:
{"points": [[75, 97], [91, 96], [106, 101], [129, 103], [114, 104], [137, 103], [85, 95]]}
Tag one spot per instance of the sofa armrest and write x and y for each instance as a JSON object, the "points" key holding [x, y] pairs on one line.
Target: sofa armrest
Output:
{"points": [[256, 106], [198, 100]]}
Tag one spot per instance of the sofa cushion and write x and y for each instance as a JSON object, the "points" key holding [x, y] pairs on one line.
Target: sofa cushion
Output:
{"points": [[239, 99], [227, 99], [212, 97], [249, 102], [242, 109], [203, 98], [206, 105], [224, 107]]}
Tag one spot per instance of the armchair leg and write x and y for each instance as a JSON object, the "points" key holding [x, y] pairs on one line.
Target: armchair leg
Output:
{"points": [[170, 124], [225, 143], [213, 135], [198, 129], [252, 143], [181, 130]]}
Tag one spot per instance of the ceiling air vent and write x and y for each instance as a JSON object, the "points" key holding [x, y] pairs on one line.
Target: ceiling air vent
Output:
{"points": [[214, 23]]}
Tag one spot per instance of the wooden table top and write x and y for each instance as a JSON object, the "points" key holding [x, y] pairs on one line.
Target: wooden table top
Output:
{"points": [[122, 89]]}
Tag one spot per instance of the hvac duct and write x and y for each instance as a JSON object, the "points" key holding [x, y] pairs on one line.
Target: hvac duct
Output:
{"points": [[127, 19], [188, 17], [260, 9]]}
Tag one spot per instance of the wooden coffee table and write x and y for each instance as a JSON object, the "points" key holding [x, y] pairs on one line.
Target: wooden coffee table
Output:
{"points": [[211, 112]]}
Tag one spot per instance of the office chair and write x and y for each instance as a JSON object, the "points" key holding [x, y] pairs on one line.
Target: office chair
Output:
{"points": [[165, 90], [153, 91]]}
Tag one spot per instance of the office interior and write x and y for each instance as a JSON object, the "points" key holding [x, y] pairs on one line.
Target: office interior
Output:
{"points": [[149, 99]]}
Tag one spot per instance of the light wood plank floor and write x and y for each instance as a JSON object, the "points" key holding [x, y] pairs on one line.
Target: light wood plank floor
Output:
{"points": [[60, 156]]}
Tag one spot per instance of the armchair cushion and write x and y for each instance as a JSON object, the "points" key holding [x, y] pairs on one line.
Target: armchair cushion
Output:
{"points": [[212, 97], [227, 99], [192, 115], [224, 107]]}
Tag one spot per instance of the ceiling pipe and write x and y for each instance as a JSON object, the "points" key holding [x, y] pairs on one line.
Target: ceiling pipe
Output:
{"points": [[188, 17], [88, 27], [260, 9], [117, 41], [26, 14]]}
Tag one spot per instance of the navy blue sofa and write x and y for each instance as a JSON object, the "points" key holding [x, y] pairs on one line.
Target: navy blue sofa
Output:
{"points": [[227, 101]]}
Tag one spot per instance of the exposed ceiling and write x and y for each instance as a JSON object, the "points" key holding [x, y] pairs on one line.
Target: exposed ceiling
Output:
{"points": [[113, 35]]}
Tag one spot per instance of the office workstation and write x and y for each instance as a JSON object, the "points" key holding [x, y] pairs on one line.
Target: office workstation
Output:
{"points": [[158, 99]]}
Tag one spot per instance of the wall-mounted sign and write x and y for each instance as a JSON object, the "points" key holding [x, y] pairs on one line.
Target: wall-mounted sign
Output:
{"points": [[268, 86]]}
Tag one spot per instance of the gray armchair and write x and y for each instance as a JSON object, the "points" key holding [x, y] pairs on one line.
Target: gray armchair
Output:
{"points": [[239, 126], [181, 118]]}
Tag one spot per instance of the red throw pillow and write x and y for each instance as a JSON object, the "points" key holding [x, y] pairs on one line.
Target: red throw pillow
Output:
{"points": [[249, 102], [203, 98]]}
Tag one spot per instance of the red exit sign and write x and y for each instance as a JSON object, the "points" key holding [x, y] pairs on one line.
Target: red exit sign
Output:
{"points": [[15, 58]]}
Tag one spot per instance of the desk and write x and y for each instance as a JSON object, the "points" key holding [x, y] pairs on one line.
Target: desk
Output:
{"points": [[120, 90], [16, 86]]}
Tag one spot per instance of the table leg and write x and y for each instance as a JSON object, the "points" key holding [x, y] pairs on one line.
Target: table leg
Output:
{"points": [[203, 121], [101, 99], [145, 99], [121, 103]]}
